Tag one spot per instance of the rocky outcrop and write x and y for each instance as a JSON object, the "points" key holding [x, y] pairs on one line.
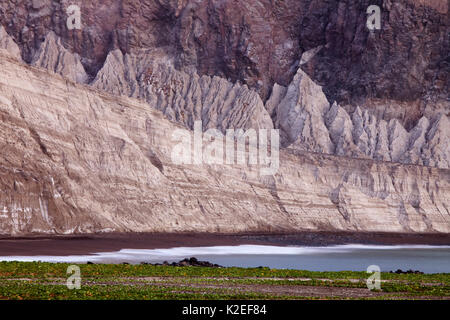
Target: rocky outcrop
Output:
{"points": [[8, 45], [300, 116], [79, 160], [364, 135], [181, 96], [53, 56], [309, 123], [306, 119]]}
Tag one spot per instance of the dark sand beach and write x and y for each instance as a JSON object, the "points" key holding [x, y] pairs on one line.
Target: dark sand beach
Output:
{"points": [[57, 245]]}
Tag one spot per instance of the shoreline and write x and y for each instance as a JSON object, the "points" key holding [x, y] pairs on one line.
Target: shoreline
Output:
{"points": [[62, 245]]}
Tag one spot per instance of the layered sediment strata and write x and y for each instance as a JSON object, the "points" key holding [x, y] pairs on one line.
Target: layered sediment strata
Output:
{"points": [[98, 158], [307, 120], [78, 160]]}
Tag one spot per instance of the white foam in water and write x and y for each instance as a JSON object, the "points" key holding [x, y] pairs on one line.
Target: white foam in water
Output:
{"points": [[156, 255]]}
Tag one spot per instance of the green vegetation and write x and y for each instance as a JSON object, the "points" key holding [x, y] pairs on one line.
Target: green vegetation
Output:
{"points": [[36, 280]]}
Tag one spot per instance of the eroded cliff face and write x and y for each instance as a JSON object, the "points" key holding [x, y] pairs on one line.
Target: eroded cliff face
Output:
{"points": [[390, 86], [78, 160], [96, 156], [183, 97], [309, 122]]}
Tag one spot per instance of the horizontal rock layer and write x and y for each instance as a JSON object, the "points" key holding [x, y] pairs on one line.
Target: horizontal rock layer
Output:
{"points": [[78, 160]]}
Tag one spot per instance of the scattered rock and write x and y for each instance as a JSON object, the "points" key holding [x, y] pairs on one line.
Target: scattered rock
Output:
{"points": [[399, 271], [192, 262]]}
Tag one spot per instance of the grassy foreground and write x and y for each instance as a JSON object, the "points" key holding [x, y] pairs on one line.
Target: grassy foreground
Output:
{"points": [[37, 280]]}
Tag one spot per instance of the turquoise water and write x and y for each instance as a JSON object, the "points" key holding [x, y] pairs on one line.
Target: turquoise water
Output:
{"points": [[428, 259]]}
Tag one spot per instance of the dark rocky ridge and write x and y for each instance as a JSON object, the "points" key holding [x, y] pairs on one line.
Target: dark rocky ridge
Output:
{"points": [[260, 42]]}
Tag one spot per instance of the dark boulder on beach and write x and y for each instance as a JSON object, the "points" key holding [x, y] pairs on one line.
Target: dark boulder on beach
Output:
{"points": [[191, 262], [410, 271]]}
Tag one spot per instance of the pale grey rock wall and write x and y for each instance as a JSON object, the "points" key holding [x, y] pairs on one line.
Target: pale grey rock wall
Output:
{"points": [[53, 56], [278, 93], [8, 44], [78, 160]]}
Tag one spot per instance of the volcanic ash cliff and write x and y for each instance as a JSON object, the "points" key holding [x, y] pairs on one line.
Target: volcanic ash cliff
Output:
{"points": [[77, 160], [88, 116]]}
